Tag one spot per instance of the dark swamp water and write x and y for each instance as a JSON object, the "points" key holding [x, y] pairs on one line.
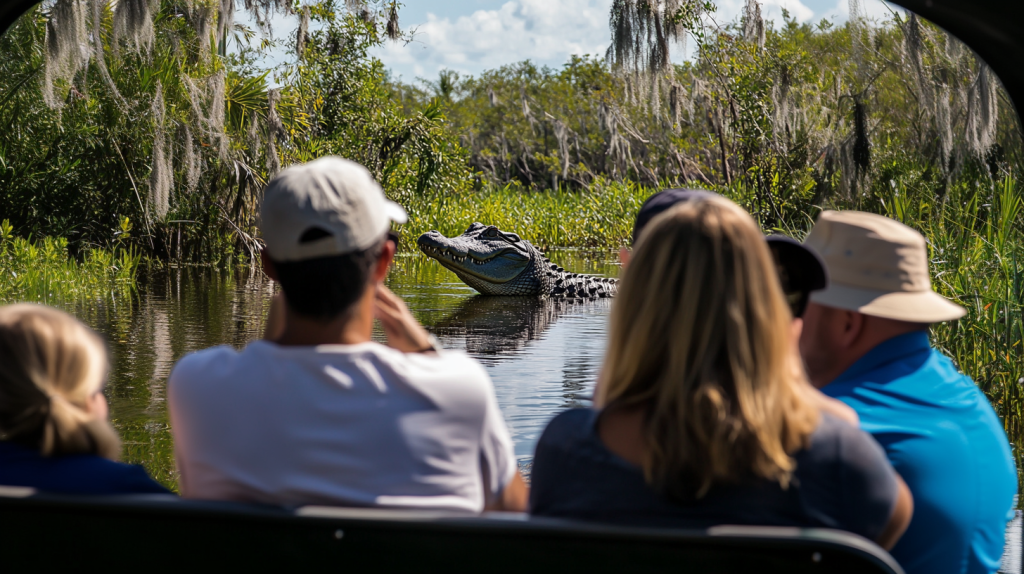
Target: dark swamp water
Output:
{"points": [[542, 356]]}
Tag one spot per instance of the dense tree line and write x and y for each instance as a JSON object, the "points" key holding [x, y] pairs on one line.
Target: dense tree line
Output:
{"points": [[794, 114], [156, 123]]}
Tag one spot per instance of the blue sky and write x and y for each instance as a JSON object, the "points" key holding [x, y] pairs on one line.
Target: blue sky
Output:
{"points": [[470, 36]]}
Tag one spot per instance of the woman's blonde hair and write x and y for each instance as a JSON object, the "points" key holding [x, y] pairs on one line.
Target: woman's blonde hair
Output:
{"points": [[700, 337], [50, 366]]}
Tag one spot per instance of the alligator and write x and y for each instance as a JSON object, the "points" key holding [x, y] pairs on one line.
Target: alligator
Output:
{"points": [[498, 263]]}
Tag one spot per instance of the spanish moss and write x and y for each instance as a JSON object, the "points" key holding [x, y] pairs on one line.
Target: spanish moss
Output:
{"points": [[392, 29], [67, 48], [133, 23], [162, 172], [753, 23], [676, 99], [982, 112], [302, 32], [643, 32], [99, 54], [215, 119], [225, 21], [275, 131], [192, 161], [202, 20]]}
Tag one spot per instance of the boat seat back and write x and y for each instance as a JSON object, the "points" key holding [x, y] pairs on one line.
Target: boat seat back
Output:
{"points": [[159, 532]]}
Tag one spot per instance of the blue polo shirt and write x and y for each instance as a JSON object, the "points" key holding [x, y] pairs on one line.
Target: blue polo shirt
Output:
{"points": [[942, 436]]}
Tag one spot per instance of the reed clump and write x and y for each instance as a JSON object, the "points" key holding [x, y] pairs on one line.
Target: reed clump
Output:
{"points": [[602, 217], [44, 271]]}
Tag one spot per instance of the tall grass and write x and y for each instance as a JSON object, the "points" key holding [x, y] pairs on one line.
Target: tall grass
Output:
{"points": [[978, 260], [602, 217], [43, 271]]}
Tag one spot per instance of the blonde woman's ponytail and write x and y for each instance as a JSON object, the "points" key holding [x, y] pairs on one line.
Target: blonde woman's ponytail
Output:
{"points": [[50, 366], [69, 429]]}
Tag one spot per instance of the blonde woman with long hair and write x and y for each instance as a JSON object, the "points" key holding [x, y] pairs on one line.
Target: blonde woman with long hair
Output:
{"points": [[54, 432], [704, 415]]}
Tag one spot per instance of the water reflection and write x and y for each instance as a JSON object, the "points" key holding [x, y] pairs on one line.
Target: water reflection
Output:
{"points": [[492, 328], [555, 371], [175, 312], [543, 356]]}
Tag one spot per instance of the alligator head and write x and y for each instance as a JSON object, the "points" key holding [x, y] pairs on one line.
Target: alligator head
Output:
{"points": [[491, 261], [498, 263]]}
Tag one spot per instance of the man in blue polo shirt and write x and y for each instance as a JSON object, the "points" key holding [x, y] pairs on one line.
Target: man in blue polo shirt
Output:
{"points": [[865, 342]]}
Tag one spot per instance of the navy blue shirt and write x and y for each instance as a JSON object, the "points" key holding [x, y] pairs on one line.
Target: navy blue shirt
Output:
{"points": [[841, 481], [72, 474], [942, 436]]}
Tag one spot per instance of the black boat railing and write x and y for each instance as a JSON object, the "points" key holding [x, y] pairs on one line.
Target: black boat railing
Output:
{"points": [[163, 533]]}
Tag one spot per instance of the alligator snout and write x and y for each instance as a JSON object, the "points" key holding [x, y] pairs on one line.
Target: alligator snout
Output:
{"points": [[429, 238], [440, 247], [435, 240]]}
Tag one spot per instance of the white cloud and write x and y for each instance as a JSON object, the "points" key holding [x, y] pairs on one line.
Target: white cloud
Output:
{"points": [[874, 10], [549, 31], [772, 10], [546, 31], [730, 10]]}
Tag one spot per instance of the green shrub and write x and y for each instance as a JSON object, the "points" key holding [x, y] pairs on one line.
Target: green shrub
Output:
{"points": [[44, 271]]}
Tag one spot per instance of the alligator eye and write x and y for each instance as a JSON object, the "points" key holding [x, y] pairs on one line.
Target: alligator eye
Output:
{"points": [[491, 232]]}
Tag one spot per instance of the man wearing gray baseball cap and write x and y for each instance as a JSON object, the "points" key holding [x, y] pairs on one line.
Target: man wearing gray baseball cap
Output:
{"points": [[865, 342], [318, 413]]}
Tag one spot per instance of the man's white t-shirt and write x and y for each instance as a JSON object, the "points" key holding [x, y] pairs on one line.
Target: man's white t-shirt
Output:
{"points": [[361, 425]]}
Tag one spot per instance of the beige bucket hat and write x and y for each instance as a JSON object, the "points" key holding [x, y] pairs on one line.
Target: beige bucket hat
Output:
{"points": [[878, 267]]}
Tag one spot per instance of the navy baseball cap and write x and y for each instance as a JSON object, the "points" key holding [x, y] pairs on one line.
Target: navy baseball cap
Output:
{"points": [[661, 201], [801, 270]]}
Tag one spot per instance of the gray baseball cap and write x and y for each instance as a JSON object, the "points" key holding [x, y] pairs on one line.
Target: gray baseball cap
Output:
{"points": [[330, 206]]}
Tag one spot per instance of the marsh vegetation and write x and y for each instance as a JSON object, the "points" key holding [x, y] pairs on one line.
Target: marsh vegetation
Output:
{"points": [[44, 272]]}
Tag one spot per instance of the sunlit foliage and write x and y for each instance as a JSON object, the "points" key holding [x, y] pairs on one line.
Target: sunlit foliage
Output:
{"points": [[140, 110]]}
